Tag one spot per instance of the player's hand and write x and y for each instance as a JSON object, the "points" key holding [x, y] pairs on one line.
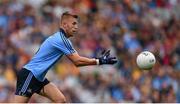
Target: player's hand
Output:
{"points": [[106, 59]]}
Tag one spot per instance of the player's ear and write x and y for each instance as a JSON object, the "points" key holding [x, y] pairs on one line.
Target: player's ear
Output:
{"points": [[64, 24]]}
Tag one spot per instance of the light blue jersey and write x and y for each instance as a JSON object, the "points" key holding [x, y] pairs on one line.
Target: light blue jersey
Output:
{"points": [[51, 50]]}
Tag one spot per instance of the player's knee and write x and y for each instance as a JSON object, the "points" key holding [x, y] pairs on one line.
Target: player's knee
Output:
{"points": [[63, 100], [60, 100]]}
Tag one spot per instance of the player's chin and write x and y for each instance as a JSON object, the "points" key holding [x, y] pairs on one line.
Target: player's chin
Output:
{"points": [[72, 35]]}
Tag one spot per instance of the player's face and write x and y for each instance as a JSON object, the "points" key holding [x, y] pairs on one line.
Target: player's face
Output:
{"points": [[72, 27]]}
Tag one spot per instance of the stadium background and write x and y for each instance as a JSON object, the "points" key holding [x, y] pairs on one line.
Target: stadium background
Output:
{"points": [[125, 26]]}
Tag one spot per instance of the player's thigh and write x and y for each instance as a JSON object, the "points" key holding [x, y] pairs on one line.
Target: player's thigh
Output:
{"points": [[20, 99], [53, 93]]}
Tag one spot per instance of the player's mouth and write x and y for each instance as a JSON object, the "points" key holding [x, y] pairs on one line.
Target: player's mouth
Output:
{"points": [[75, 32]]}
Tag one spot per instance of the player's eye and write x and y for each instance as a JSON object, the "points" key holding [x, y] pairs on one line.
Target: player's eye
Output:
{"points": [[74, 23]]}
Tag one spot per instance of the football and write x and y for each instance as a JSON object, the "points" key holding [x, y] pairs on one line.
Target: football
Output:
{"points": [[145, 60]]}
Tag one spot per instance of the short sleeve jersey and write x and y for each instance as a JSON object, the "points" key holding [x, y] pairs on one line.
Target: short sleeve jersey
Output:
{"points": [[50, 51]]}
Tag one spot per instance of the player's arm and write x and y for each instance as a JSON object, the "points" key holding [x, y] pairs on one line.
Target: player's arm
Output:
{"points": [[83, 61]]}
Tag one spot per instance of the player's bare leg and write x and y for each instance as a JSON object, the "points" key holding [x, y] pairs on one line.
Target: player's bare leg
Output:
{"points": [[53, 93], [20, 99]]}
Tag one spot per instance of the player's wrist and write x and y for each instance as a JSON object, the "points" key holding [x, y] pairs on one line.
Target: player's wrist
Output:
{"points": [[97, 61]]}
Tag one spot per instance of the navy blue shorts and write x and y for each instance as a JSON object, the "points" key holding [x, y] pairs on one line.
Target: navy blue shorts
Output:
{"points": [[27, 84]]}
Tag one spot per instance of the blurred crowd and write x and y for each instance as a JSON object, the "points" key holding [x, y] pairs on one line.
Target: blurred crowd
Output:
{"points": [[126, 27]]}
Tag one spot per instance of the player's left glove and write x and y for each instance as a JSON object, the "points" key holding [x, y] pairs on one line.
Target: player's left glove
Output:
{"points": [[105, 59]]}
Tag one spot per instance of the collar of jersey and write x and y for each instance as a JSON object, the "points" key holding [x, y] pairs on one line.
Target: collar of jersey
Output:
{"points": [[61, 30]]}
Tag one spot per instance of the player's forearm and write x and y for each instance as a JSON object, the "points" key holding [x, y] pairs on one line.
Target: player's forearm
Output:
{"points": [[83, 61]]}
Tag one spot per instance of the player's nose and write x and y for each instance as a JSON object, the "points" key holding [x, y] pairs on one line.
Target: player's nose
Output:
{"points": [[76, 27]]}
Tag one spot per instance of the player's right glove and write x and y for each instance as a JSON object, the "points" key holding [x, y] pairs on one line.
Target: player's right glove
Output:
{"points": [[105, 59]]}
